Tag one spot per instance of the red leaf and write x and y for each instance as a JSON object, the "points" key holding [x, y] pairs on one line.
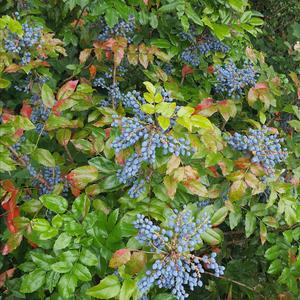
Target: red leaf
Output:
{"points": [[186, 70], [211, 69], [223, 102], [107, 132], [19, 132], [6, 117], [26, 110], [206, 103], [75, 191], [9, 204], [299, 93], [260, 86], [214, 171], [146, 2], [6, 275]]}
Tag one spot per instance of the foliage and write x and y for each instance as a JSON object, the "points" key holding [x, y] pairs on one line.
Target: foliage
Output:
{"points": [[147, 151]]}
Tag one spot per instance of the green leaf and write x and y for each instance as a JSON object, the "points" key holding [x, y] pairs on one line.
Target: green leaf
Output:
{"points": [[150, 87], [47, 96], [104, 165], [211, 236], [40, 225], [81, 272], [160, 43], [153, 21], [295, 124], [44, 157], [237, 190], [55, 203], [62, 267], [33, 281], [163, 122], [4, 83], [148, 108], [250, 223], [111, 17], [62, 242], [42, 260], [275, 267], [185, 111], [164, 296], [88, 258], [221, 30], [201, 122], [49, 234], [51, 280], [219, 216], [189, 11], [272, 253], [127, 290], [108, 288], [67, 285], [237, 4], [81, 206], [234, 219], [166, 109]]}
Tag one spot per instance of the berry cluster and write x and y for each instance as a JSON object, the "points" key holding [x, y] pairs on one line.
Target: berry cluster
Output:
{"points": [[122, 28], [53, 177], [47, 178], [114, 94], [191, 55], [175, 265], [39, 116], [151, 137], [22, 45], [264, 146], [232, 80], [190, 35]]}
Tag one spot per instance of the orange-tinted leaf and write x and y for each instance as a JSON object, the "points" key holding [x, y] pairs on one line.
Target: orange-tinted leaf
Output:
{"points": [[237, 190], [137, 262], [119, 258], [171, 186], [195, 187], [26, 110], [84, 55], [186, 70], [67, 90], [173, 164], [92, 70], [6, 275]]}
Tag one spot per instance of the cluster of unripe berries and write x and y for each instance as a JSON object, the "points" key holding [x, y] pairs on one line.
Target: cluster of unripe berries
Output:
{"points": [[22, 45], [264, 146], [232, 81], [176, 266]]}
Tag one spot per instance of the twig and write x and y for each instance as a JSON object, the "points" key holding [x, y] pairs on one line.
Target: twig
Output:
{"points": [[68, 153], [237, 283], [114, 81]]}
